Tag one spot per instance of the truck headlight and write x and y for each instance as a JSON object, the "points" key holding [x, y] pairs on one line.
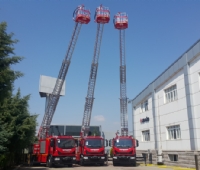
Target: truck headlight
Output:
{"points": [[114, 157], [132, 157], [85, 157], [56, 159], [74, 158], [102, 157]]}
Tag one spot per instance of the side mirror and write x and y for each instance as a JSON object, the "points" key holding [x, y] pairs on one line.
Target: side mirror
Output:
{"points": [[137, 143], [110, 142], [52, 143], [106, 143]]}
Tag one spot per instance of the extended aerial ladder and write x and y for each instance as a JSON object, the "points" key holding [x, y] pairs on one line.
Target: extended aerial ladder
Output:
{"points": [[121, 23], [121, 155], [92, 148], [81, 16], [102, 16]]}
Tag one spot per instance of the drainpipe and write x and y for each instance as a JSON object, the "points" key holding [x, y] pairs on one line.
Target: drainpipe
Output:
{"points": [[156, 122]]}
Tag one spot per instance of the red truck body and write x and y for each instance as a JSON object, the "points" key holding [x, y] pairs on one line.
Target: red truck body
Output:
{"points": [[92, 150], [55, 150], [124, 150]]}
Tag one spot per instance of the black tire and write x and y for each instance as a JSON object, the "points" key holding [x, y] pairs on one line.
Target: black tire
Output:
{"points": [[49, 162], [114, 164], [81, 162], [69, 165], [101, 164], [32, 160], [134, 163]]}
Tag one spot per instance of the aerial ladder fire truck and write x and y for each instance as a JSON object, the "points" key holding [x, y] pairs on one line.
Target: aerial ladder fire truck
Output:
{"points": [[59, 149], [92, 148], [123, 146]]}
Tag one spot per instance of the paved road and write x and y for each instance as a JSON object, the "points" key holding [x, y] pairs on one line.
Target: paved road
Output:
{"points": [[109, 167]]}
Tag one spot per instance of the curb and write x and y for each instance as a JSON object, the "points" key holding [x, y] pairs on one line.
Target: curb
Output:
{"points": [[172, 167]]}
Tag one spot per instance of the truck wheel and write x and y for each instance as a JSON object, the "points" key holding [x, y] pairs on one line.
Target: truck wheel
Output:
{"points": [[114, 164], [134, 163], [69, 165], [49, 162], [101, 164], [81, 162], [32, 162]]}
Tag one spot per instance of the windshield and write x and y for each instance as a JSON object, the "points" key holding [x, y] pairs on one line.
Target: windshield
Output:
{"points": [[65, 143], [123, 143], [94, 143]]}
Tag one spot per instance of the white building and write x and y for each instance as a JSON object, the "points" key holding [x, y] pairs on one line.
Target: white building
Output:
{"points": [[166, 114]]}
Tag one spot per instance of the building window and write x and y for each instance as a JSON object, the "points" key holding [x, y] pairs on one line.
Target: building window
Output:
{"points": [[144, 106], [174, 132], [173, 157], [146, 135], [170, 94]]}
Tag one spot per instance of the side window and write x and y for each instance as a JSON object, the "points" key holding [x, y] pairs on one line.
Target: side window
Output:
{"points": [[171, 94], [173, 157], [144, 106], [145, 135], [173, 132]]}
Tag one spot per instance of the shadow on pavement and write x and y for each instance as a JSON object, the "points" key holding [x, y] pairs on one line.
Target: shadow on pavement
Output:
{"points": [[31, 168], [42, 167], [27, 167]]}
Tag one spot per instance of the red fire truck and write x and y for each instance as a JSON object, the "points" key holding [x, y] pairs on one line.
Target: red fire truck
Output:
{"points": [[55, 150], [124, 150], [123, 146], [92, 149], [59, 149]]}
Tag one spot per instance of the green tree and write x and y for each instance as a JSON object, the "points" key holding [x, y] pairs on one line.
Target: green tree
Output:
{"points": [[4, 136], [17, 125], [21, 124], [7, 75]]}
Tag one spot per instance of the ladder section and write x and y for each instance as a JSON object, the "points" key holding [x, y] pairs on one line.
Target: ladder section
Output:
{"points": [[92, 80], [123, 97], [54, 97]]}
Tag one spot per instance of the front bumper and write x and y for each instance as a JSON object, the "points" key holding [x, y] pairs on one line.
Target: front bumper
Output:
{"points": [[94, 159], [124, 159], [65, 160]]}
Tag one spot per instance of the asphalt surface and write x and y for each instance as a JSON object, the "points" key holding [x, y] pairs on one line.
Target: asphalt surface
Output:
{"points": [[108, 167]]}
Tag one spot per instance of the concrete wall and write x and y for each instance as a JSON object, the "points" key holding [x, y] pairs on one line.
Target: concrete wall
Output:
{"points": [[184, 111], [173, 113], [195, 90]]}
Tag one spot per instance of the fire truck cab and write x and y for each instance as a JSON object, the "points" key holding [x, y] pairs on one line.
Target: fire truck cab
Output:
{"points": [[124, 150], [55, 150], [92, 150]]}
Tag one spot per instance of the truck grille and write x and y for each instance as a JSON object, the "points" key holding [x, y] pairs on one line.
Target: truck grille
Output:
{"points": [[95, 153], [124, 153], [60, 153]]}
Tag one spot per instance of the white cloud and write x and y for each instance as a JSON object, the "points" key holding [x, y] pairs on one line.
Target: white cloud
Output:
{"points": [[99, 118]]}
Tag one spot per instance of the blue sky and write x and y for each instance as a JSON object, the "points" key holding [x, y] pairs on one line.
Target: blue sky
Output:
{"points": [[159, 32]]}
